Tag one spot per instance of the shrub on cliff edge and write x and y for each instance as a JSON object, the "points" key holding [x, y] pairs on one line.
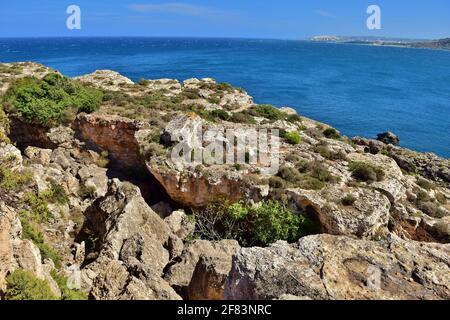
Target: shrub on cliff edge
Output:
{"points": [[23, 285], [45, 101], [260, 224]]}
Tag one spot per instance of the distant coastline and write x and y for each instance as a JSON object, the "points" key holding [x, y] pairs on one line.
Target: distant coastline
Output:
{"points": [[441, 44]]}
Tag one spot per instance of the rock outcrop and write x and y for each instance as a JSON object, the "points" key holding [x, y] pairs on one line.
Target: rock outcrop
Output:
{"points": [[330, 267], [105, 199]]}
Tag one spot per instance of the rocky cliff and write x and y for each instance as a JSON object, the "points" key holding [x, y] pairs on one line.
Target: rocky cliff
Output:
{"points": [[94, 206]]}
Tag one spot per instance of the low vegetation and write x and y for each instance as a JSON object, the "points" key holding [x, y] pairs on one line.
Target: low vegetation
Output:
{"points": [[260, 224], [13, 180], [348, 200], [30, 232], [23, 285], [331, 133], [292, 137], [66, 292], [305, 175], [366, 172], [48, 101]]}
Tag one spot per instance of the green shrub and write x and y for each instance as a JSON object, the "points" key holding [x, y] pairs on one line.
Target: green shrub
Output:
{"points": [[267, 111], [143, 82], [86, 192], [10, 180], [348, 200], [103, 160], [66, 293], [260, 224], [432, 209], [294, 118], [242, 117], [290, 174], [331, 133], [292, 137], [277, 182], [325, 152], [441, 198], [366, 172], [424, 183], [321, 173], [45, 101], [29, 232], [55, 194], [39, 206], [23, 285], [220, 114]]}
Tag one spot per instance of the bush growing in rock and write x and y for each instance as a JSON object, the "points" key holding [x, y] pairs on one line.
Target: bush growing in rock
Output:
{"points": [[45, 101], [331, 133], [260, 224], [348, 200], [325, 152], [10, 180], [366, 172], [242, 117], [23, 285], [424, 183], [267, 111], [292, 137], [220, 114], [29, 232]]}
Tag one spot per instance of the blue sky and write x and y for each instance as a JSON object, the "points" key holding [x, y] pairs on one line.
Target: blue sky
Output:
{"points": [[285, 19]]}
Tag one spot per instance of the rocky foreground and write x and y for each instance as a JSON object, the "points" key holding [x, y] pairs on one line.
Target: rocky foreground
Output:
{"points": [[92, 206]]}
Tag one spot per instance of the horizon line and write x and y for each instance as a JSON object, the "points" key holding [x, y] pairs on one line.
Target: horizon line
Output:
{"points": [[211, 37]]}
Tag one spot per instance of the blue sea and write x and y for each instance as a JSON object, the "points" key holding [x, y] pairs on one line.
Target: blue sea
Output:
{"points": [[360, 90]]}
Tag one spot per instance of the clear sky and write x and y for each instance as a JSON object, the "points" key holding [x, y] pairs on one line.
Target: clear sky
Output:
{"points": [[285, 19]]}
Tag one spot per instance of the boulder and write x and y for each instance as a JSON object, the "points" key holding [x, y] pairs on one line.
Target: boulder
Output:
{"points": [[10, 156], [367, 216], [388, 138], [116, 283], [180, 224], [179, 275], [37, 155], [338, 267], [128, 230], [94, 177]]}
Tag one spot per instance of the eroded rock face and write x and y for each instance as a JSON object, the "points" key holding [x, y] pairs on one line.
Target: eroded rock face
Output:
{"points": [[132, 244], [106, 79], [392, 185], [332, 267], [367, 216], [16, 253], [180, 274], [209, 277], [114, 134]]}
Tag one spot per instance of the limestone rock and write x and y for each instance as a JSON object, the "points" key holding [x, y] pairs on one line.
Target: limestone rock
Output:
{"points": [[94, 177], [37, 155], [11, 157], [336, 267], [392, 185], [209, 277], [389, 138], [180, 224], [128, 230], [115, 283], [365, 217], [179, 275]]}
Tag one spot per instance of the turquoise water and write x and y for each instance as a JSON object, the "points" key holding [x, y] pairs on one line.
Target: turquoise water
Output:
{"points": [[360, 90]]}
